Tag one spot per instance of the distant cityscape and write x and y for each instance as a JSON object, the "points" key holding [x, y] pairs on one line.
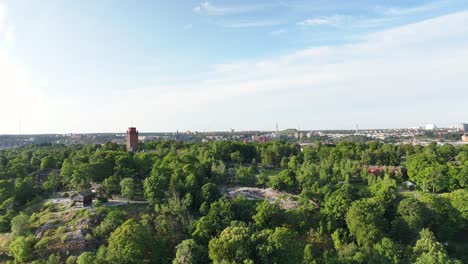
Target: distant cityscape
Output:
{"points": [[416, 135]]}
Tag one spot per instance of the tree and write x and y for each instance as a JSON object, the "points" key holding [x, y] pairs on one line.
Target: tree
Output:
{"points": [[428, 251], [426, 170], [48, 163], [443, 219], [156, 185], [384, 189], [86, 258], [53, 259], [459, 200], [232, 246], [210, 192], [189, 252], [54, 181], [7, 189], [129, 243], [245, 175], [173, 221], [268, 215], [385, 252], [411, 218], [285, 180], [365, 221], [112, 220], [21, 248], [20, 225], [128, 188], [219, 217], [335, 207], [280, 245]]}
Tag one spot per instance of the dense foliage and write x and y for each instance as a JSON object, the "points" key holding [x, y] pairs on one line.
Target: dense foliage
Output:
{"points": [[344, 212]]}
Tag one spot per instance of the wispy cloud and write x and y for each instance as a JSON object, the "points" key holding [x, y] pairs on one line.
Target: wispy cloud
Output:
{"points": [[209, 9], [403, 11], [322, 21], [248, 24], [426, 59]]}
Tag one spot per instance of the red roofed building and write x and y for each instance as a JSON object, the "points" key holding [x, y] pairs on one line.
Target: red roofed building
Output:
{"points": [[380, 170]]}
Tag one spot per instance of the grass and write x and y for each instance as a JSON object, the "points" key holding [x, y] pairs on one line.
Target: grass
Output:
{"points": [[4, 241]]}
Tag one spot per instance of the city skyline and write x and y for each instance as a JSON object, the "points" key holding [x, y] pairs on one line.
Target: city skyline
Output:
{"points": [[68, 67]]}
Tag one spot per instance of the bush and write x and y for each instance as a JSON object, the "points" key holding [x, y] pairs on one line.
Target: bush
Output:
{"points": [[71, 260]]}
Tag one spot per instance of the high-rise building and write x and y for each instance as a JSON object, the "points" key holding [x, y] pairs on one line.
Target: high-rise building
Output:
{"points": [[464, 127], [132, 139]]}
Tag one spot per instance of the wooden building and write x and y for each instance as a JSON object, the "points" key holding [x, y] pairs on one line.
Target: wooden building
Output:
{"points": [[82, 199]]}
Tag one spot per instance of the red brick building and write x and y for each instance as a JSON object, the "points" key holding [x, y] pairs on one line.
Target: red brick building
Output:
{"points": [[132, 139]]}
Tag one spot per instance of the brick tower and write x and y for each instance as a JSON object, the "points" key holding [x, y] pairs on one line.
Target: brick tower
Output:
{"points": [[132, 139]]}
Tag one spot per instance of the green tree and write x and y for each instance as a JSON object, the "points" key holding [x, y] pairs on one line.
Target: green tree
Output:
{"points": [[386, 251], [245, 175], [459, 199], [189, 252], [21, 248], [156, 185], [285, 180], [365, 220], [48, 163], [280, 245], [53, 259], [20, 225], [219, 217], [210, 192], [335, 207], [411, 217], [128, 188], [428, 251], [86, 258], [54, 181], [129, 243], [232, 246], [268, 215]]}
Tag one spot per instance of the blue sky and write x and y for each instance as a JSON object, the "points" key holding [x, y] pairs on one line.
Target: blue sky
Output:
{"points": [[100, 66]]}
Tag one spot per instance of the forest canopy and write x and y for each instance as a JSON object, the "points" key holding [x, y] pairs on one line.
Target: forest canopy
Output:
{"points": [[167, 203]]}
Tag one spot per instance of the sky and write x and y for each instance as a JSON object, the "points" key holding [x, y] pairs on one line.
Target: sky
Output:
{"points": [[100, 66]]}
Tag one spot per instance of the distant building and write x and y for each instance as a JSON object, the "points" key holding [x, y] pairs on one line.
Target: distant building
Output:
{"points": [[380, 170], [132, 139], [82, 199], [465, 138], [464, 127], [261, 139], [430, 127]]}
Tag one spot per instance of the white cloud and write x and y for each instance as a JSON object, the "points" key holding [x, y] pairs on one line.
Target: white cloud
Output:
{"points": [[403, 11], [207, 8], [321, 21], [249, 24], [376, 81], [390, 78]]}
